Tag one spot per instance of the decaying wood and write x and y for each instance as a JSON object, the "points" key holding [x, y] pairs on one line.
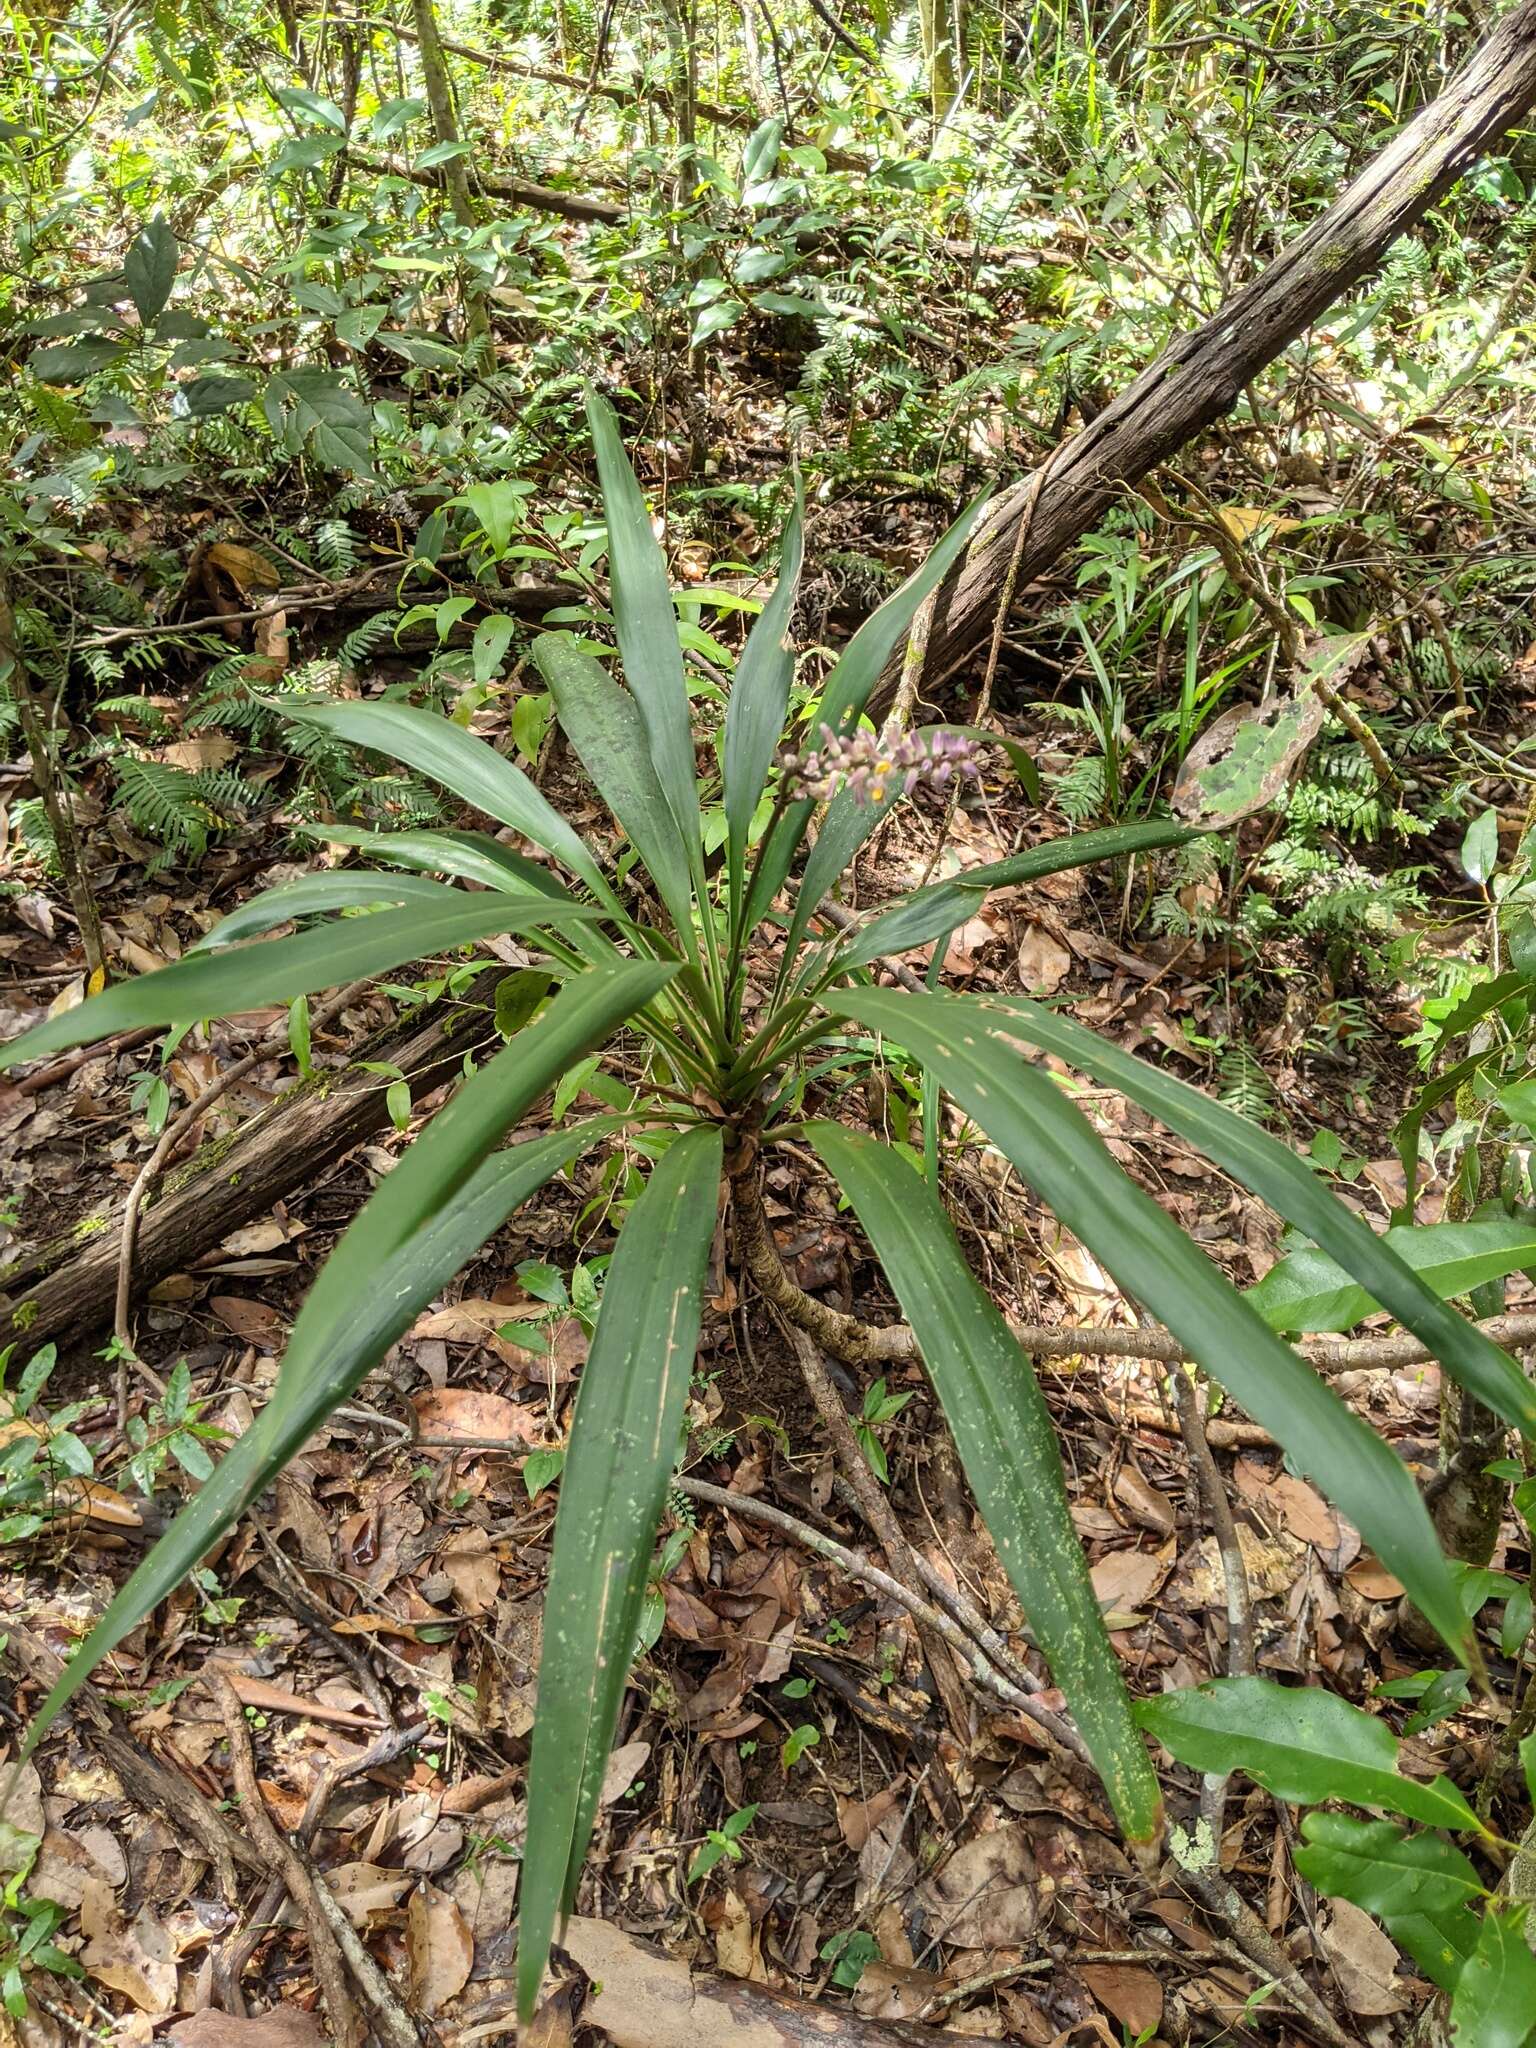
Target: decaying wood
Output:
{"points": [[521, 191], [70, 1284], [643, 1999], [1201, 375]]}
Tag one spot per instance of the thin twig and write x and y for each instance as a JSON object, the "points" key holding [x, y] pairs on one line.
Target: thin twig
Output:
{"points": [[282, 1857], [1211, 1495], [858, 1566]]}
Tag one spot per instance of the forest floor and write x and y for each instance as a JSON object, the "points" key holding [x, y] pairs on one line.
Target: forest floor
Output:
{"points": [[378, 1618]]}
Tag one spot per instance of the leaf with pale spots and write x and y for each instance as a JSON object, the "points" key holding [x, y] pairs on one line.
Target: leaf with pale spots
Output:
{"points": [[1007, 1444], [624, 1444], [1057, 1152]]}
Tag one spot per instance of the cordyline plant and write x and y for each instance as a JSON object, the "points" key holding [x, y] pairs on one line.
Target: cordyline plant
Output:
{"points": [[664, 957]]}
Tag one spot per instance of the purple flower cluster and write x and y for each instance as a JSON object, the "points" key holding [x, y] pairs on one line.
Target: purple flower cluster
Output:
{"points": [[874, 766]]}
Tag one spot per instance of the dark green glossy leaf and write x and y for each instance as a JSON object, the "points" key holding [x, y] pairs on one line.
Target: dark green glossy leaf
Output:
{"points": [[312, 895], [1299, 1742], [1494, 2003], [646, 626], [1379, 1866], [1310, 1291], [624, 1444], [446, 754], [149, 268], [1007, 1443], [759, 701], [604, 725]]}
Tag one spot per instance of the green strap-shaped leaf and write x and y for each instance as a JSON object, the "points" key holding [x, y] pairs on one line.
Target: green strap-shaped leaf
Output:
{"points": [[624, 1444], [467, 856], [1494, 2003], [759, 702], [1308, 1290], [1057, 1152], [604, 724], [313, 895], [1299, 1742], [446, 754], [475, 857], [219, 983], [846, 692], [646, 626], [927, 913], [399, 1250], [1007, 1443], [1385, 1268]]}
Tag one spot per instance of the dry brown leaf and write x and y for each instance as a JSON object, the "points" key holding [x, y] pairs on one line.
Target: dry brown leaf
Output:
{"points": [[1127, 1993], [286, 2026], [274, 1699], [265, 1236], [1364, 1960], [208, 750], [1307, 1515], [986, 1895], [893, 1991], [23, 1824], [1369, 1577], [468, 1560], [623, 1767], [1126, 1579], [1152, 1509], [466, 1412], [247, 570], [135, 1960], [858, 1818], [1043, 962], [439, 1949], [365, 1889], [251, 1321], [736, 1949]]}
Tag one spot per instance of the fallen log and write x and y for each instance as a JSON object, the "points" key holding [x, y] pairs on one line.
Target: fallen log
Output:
{"points": [[521, 191], [69, 1283], [641, 1998], [1200, 376]]}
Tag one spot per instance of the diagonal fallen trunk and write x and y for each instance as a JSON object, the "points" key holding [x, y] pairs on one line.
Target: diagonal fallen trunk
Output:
{"points": [[1199, 377], [68, 1285]]}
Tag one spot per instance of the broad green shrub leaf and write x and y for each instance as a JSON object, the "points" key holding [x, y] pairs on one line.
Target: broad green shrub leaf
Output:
{"points": [[313, 895], [646, 626], [1494, 2003], [1380, 1866], [605, 727], [759, 701], [1420, 1886], [1007, 1443], [1300, 1743], [624, 1443], [328, 418], [67, 362], [218, 983], [1290, 1186], [1057, 1152], [149, 269], [406, 1242], [846, 692], [446, 754], [939, 908], [1309, 1291]]}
